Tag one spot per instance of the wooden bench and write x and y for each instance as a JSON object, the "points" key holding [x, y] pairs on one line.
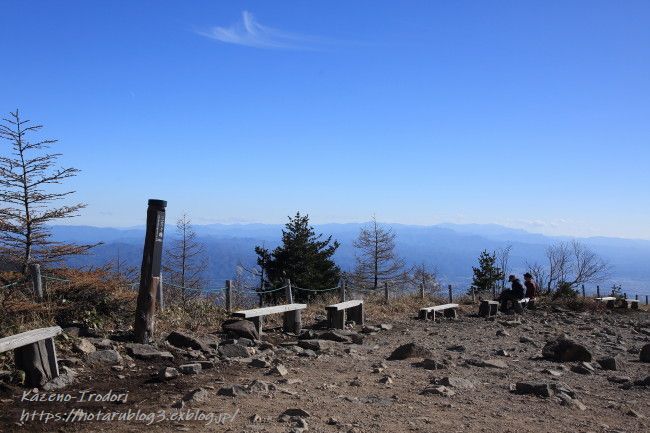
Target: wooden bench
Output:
{"points": [[34, 353], [630, 303], [449, 310], [336, 313], [488, 308], [609, 300], [292, 316]]}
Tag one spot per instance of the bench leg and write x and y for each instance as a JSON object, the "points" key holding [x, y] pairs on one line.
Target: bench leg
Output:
{"points": [[450, 312], [292, 321], [360, 315], [258, 322], [51, 356], [339, 320], [422, 314], [635, 305], [34, 360]]}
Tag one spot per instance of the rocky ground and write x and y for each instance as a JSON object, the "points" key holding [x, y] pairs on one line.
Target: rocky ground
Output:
{"points": [[510, 374]]}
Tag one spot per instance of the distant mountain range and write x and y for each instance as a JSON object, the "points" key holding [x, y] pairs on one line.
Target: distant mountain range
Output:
{"points": [[452, 249]]}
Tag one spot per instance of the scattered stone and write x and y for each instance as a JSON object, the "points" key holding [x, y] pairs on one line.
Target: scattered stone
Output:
{"points": [[524, 339], [65, 378], [385, 326], [619, 379], [432, 364], [296, 412], [490, 363], [565, 350], [456, 348], [70, 362], [643, 382], [233, 391], [233, 351], [633, 413], [583, 368], [279, 370], [386, 380], [84, 346], [168, 373], [609, 363], [241, 328], [246, 342], [502, 352], [185, 340], [193, 368], [317, 345], [539, 389], [197, 395], [438, 390], [553, 373], [205, 365], [147, 352], [502, 333], [566, 400], [104, 357], [644, 355], [410, 350], [454, 382], [259, 363], [259, 387], [368, 329]]}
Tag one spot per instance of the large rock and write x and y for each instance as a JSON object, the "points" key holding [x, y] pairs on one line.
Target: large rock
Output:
{"points": [[610, 363], [438, 390], [185, 340], [84, 346], [644, 355], [104, 357], [490, 363], [147, 352], [317, 345], [241, 328], [565, 350], [539, 389], [410, 350], [454, 382], [233, 351]]}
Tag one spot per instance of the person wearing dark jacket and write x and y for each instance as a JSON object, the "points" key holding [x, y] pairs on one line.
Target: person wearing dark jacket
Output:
{"points": [[515, 293]]}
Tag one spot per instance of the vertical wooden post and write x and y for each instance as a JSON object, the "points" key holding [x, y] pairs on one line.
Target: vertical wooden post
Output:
{"points": [[598, 291], [646, 299], [288, 292], [624, 295], [144, 320], [150, 269], [421, 291], [342, 290], [229, 296], [451, 298], [636, 296], [161, 303], [473, 295], [37, 282], [583, 290], [386, 297]]}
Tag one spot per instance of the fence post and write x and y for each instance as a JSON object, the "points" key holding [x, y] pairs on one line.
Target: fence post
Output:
{"points": [[229, 296], [624, 295], [450, 295], [37, 282], [636, 296], [598, 291], [583, 290], [342, 284], [646, 299], [161, 304], [288, 292], [386, 292], [151, 257]]}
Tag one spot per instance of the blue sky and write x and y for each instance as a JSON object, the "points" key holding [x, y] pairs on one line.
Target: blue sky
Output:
{"points": [[532, 114]]}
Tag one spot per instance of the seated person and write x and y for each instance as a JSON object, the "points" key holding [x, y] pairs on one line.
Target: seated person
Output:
{"points": [[514, 294], [531, 286]]}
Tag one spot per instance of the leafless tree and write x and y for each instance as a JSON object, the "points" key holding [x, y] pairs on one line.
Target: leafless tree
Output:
{"points": [[424, 276], [186, 261], [569, 263], [28, 175], [377, 260], [503, 262]]}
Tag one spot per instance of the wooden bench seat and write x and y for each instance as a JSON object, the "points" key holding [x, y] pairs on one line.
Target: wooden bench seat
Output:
{"points": [[34, 353], [631, 303], [336, 313], [609, 300], [291, 312], [488, 308], [449, 310]]}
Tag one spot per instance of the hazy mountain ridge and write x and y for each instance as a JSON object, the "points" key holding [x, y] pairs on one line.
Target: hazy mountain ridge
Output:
{"points": [[451, 248]]}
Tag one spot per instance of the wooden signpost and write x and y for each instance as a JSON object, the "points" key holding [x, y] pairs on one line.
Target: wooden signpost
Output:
{"points": [[150, 271]]}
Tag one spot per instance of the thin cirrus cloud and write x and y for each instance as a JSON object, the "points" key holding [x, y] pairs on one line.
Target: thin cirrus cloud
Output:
{"points": [[250, 33]]}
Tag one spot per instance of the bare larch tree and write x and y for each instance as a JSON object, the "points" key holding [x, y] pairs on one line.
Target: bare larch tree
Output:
{"points": [[27, 197], [377, 260], [186, 261]]}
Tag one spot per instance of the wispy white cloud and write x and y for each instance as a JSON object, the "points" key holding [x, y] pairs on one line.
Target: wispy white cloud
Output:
{"points": [[250, 33]]}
